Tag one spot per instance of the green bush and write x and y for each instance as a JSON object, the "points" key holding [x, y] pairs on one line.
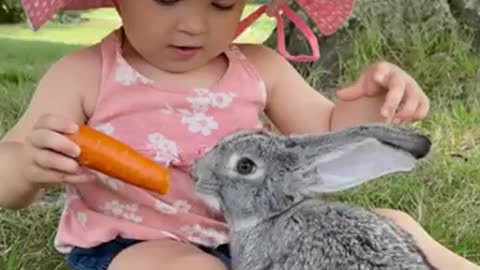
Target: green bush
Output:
{"points": [[11, 11], [65, 17]]}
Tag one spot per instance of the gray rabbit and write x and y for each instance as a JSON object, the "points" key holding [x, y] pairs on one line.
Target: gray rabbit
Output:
{"points": [[271, 189]]}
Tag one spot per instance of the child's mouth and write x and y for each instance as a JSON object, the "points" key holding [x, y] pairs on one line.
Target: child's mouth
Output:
{"points": [[184, 52]]}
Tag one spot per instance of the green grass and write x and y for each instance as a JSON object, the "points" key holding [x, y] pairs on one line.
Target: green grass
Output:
{"points": [[12, 258], [442, 194]]}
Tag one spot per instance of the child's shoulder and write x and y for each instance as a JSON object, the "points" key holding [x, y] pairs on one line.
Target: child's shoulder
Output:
{"points": [[82, 66], [78, 71], [268, 62], [261, 56], [78, 64]]}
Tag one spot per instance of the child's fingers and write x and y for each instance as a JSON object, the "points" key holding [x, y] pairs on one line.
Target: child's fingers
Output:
{"points": [[43, 176], [78, 178], [47, 139], [415, 94], [55, 123], [410, 102], [382, 76], [395, 95], [408, 110], [49, 160], [422, 110]]}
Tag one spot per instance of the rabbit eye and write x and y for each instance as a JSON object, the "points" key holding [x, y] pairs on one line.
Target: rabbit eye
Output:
{"points": [[246, 166]]}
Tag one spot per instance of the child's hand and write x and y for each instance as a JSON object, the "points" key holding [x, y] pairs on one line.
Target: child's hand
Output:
{"points": [[273, 6], [405, 101], [49, 156]]}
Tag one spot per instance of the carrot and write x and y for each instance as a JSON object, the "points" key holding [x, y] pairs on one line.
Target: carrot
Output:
{"points": [[107, 155]]}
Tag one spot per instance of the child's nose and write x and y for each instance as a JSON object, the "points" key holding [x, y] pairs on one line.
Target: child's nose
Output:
{"points": [[194, 24]]}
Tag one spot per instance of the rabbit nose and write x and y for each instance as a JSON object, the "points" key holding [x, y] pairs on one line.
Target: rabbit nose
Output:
{"points": [[195, 171], [193, 174]]}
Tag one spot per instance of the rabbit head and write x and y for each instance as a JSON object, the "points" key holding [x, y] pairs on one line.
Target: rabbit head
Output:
{"points": [[252, 176]]}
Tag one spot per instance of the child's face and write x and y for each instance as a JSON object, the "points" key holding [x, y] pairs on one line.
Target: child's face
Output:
{"points": [[180, 35]]}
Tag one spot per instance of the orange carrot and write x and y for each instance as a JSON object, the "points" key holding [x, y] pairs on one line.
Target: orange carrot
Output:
{"points": [[107, 155]]}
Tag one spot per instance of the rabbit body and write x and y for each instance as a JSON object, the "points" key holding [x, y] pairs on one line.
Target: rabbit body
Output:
{"points": [[315, 235]]}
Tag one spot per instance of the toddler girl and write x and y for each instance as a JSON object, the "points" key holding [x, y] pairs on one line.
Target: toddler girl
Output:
{"points": [[171, 83]]}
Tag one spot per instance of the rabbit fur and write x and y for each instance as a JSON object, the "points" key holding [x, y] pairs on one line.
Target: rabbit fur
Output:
{"points": [[271, 190]]}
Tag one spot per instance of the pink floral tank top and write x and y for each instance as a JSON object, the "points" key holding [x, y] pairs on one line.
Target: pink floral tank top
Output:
{"points": [[172, 127]]}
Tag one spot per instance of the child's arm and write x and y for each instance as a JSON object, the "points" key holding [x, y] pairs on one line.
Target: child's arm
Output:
{"points": [[35, 142], [295, 107]]}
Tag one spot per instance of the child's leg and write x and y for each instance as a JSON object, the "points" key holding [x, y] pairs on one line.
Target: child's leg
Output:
{"points": [[438, 255], [165, 254]]}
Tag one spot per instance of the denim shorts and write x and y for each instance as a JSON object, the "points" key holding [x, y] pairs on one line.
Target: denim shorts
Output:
{"points": [[100, 257]]}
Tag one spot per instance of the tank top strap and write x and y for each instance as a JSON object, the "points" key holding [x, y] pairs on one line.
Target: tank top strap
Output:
{"points": [[237, 57]]}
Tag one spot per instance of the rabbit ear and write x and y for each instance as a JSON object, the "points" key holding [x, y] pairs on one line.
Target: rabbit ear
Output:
{"points": [[343, 160]]}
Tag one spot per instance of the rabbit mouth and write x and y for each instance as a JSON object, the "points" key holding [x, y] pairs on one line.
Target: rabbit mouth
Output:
{"points": [[207, 188], [210, 199], [208, 193]]}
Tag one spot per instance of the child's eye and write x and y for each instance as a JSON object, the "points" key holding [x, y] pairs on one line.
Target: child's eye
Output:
{"points": [[167, 2], [223, 6]]}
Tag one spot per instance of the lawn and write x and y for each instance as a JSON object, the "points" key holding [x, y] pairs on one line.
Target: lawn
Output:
{"points": [[442, 194]]}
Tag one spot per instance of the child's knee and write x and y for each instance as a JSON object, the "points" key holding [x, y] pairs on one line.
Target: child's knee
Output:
{"points": [[168, 254], [408, 224], [438, 255], [202, 261], [404, 221], [397, 216]]}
